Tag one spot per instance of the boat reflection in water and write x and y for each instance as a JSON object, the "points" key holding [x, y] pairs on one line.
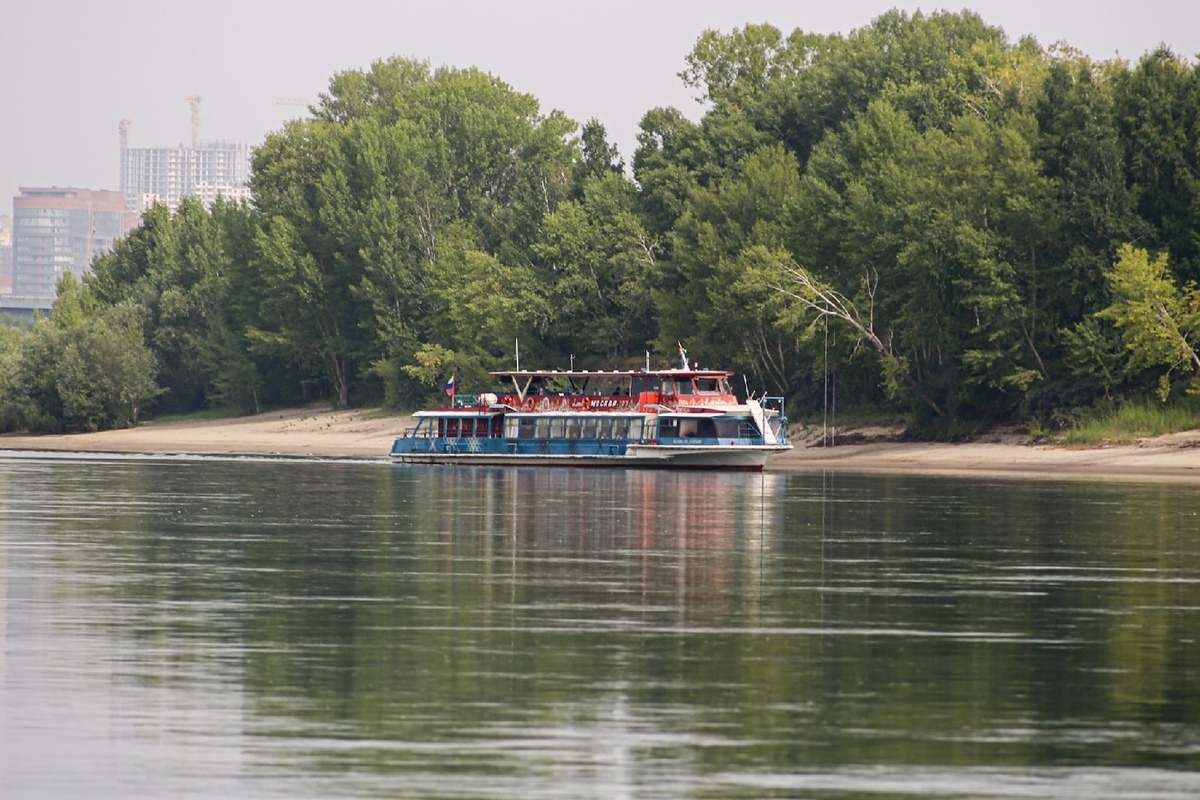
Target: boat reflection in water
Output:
{"points": [[662, 521]]}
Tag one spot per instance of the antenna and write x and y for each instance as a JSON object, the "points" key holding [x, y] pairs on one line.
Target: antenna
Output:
{"points": [[194, 102]]}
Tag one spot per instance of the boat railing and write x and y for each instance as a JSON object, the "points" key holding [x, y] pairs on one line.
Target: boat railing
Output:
{"points": [[773, 403], [778, 419], [747, 430]]}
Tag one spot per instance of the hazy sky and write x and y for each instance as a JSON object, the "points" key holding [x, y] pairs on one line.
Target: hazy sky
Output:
{"points": [[71, 70]]}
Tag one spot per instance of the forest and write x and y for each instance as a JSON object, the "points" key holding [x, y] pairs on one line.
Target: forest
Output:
{"points": [[921, 217]]}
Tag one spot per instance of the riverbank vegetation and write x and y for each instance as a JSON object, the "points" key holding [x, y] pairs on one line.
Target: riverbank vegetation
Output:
{"points": [[934, 219], [1142, 419]]}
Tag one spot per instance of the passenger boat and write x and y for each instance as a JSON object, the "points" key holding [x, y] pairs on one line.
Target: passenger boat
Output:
{"points": [[678, 418]]}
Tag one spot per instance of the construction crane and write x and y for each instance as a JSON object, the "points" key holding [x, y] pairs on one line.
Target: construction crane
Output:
{"points": [[194, 102], [295, 101]]}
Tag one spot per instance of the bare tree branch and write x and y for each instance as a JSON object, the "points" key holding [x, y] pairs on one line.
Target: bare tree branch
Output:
{"points": [[799, 284]]}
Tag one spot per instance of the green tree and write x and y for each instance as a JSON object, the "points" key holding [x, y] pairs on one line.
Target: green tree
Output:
{"points": [[1159, 116], [1160, 322], [83, 368], [10, 360], [480, 305], [396, 158], [105, 374], [599, 267], [177, 267], [308, 314], [598, 158], [710, 294]]}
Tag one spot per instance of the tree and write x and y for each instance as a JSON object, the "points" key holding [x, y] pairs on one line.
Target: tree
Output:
{"points": [[709, 294], [84, 368], [105, 373], [479, 305], [1159, 321], [598, 159], [307, 315], [10, 360], [826, 302], [360, 201], [1157, 112], [598, 264], [177, 268]]}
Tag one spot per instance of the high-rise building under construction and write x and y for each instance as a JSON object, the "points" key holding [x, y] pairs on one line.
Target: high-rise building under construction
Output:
{"points": [[205, 170], [169, 174]]}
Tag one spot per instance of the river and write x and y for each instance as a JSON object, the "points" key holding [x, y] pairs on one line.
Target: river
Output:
{"points": [[196, 628]]}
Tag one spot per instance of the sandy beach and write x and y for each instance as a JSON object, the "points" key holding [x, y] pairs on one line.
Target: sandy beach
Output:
{"points": [[317, 433]]}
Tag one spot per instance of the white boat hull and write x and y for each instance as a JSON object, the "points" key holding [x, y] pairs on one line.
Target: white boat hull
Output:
{"points": [[731, 457]]}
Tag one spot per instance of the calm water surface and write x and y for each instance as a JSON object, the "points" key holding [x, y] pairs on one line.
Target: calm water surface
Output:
{"points": [[204, 628]]}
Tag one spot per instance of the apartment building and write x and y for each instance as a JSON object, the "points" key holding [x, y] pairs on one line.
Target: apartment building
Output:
{"points": [[58, 230], [168, 174]]}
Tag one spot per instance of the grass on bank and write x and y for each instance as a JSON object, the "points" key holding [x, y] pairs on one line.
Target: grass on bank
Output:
{"points": [[1133, 421]]}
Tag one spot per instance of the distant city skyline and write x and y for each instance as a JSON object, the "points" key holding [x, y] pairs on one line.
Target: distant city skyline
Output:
{"points": [[72, 76]]}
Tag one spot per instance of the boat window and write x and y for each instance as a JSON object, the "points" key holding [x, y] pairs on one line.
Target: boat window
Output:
{"points": [[683, 386], [603, 428], [636, 425], [512, 428], [528, 427], [668, 386], [647, 383], [572, 427], [556, 428], [542, 429], [730, 427], [452, 429], [668, 427], [708, 386], [588, 428]]}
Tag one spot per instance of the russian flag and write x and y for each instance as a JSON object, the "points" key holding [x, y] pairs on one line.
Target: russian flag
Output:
{"points": [[450, 386]]}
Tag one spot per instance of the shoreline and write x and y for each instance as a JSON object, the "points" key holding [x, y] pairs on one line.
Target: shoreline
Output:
{"points": [[364, 434]]}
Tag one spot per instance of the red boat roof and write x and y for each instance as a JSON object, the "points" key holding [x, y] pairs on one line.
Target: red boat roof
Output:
{"points": [[618, 373]]}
